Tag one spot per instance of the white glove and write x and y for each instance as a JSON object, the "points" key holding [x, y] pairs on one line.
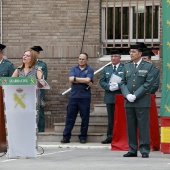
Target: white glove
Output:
{"points": [[116, 86], [130, 97], [113, 87], [134, 97]]}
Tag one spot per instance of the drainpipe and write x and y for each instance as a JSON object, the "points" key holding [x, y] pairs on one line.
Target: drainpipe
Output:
{"points": [[1, 21]]}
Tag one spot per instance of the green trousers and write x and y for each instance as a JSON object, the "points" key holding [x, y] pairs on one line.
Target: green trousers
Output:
{"points": [[138, 119], [110, 112], [41, 120]]}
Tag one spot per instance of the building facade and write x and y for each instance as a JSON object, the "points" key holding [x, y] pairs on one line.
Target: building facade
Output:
{"points": [[64, 28]]}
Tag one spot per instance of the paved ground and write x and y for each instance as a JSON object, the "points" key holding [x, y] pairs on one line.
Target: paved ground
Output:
{"points": [[90, 156]]}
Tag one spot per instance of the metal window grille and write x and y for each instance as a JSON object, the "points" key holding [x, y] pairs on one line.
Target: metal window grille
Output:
{"points": [[129, 21]]}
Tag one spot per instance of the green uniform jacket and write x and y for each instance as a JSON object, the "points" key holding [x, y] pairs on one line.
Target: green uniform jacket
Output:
{"points": [[109, 96], [155, 85], [138, 82], [43, 67], [6, 68]]}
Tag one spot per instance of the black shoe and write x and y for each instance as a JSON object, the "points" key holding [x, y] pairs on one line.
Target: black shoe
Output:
{"points": [[83, 141], [129, 154], [145, 155], [106, 141], [64, 140]]}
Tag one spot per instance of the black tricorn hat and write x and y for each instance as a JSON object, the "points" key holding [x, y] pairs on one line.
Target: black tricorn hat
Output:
{"points": [[148, 53], [37, 48], [2, 47], [142, 44], [138, 45], [116, 51]]}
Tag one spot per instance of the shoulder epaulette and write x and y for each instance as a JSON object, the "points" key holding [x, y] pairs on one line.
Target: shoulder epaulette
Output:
{"points": [[41, 61], [108, 65], [148, 62], [156, 67], [128, 62], [7, 61]]}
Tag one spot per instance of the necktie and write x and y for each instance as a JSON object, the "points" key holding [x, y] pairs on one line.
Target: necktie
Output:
{"points": [[135, 66], [114, 69]]}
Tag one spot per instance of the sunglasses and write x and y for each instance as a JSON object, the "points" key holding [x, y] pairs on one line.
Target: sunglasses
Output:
{"points": [[26, 55]]}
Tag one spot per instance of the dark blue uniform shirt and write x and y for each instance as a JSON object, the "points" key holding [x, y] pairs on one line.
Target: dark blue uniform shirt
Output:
{"points": [[78, 90]]}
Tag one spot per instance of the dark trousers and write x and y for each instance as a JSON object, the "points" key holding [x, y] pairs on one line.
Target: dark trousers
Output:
{"points": [[41, 116], [110, 112], [138, 118], [41, 120], [76, 105]]}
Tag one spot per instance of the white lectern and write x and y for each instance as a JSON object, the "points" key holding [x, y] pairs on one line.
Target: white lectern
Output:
{"points": [[20, 110]]}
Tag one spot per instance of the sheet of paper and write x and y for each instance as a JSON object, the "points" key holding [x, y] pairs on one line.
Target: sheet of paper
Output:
{"points": [[115, 79]]}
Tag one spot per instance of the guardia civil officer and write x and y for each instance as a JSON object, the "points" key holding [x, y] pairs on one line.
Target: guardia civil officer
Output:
{"points": [[6, 67], [111, 89], [136, 84], [43, 66], [80, 78], [146, 55]]}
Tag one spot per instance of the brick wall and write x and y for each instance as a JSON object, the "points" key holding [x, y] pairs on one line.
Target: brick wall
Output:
{"points": [[50, 22]]}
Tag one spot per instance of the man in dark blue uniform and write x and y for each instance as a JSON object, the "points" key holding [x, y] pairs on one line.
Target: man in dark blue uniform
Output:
{"points": [[81, 77], [43, 66], [137, 81], [146, 55], [6, 67], [111, 89]]}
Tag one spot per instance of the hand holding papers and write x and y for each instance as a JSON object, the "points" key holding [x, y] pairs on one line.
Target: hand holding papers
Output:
{"points": [[115, 79]]}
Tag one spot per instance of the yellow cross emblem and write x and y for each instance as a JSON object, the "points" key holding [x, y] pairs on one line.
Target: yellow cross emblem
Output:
{"points": [[168, 44], [168, 1], [32, 80], [168, 86], [167, 108], [19, 100], [168, 23], [168, 65]]}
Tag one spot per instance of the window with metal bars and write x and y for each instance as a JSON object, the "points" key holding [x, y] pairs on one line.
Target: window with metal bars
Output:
{"points": [[123, 25]]}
